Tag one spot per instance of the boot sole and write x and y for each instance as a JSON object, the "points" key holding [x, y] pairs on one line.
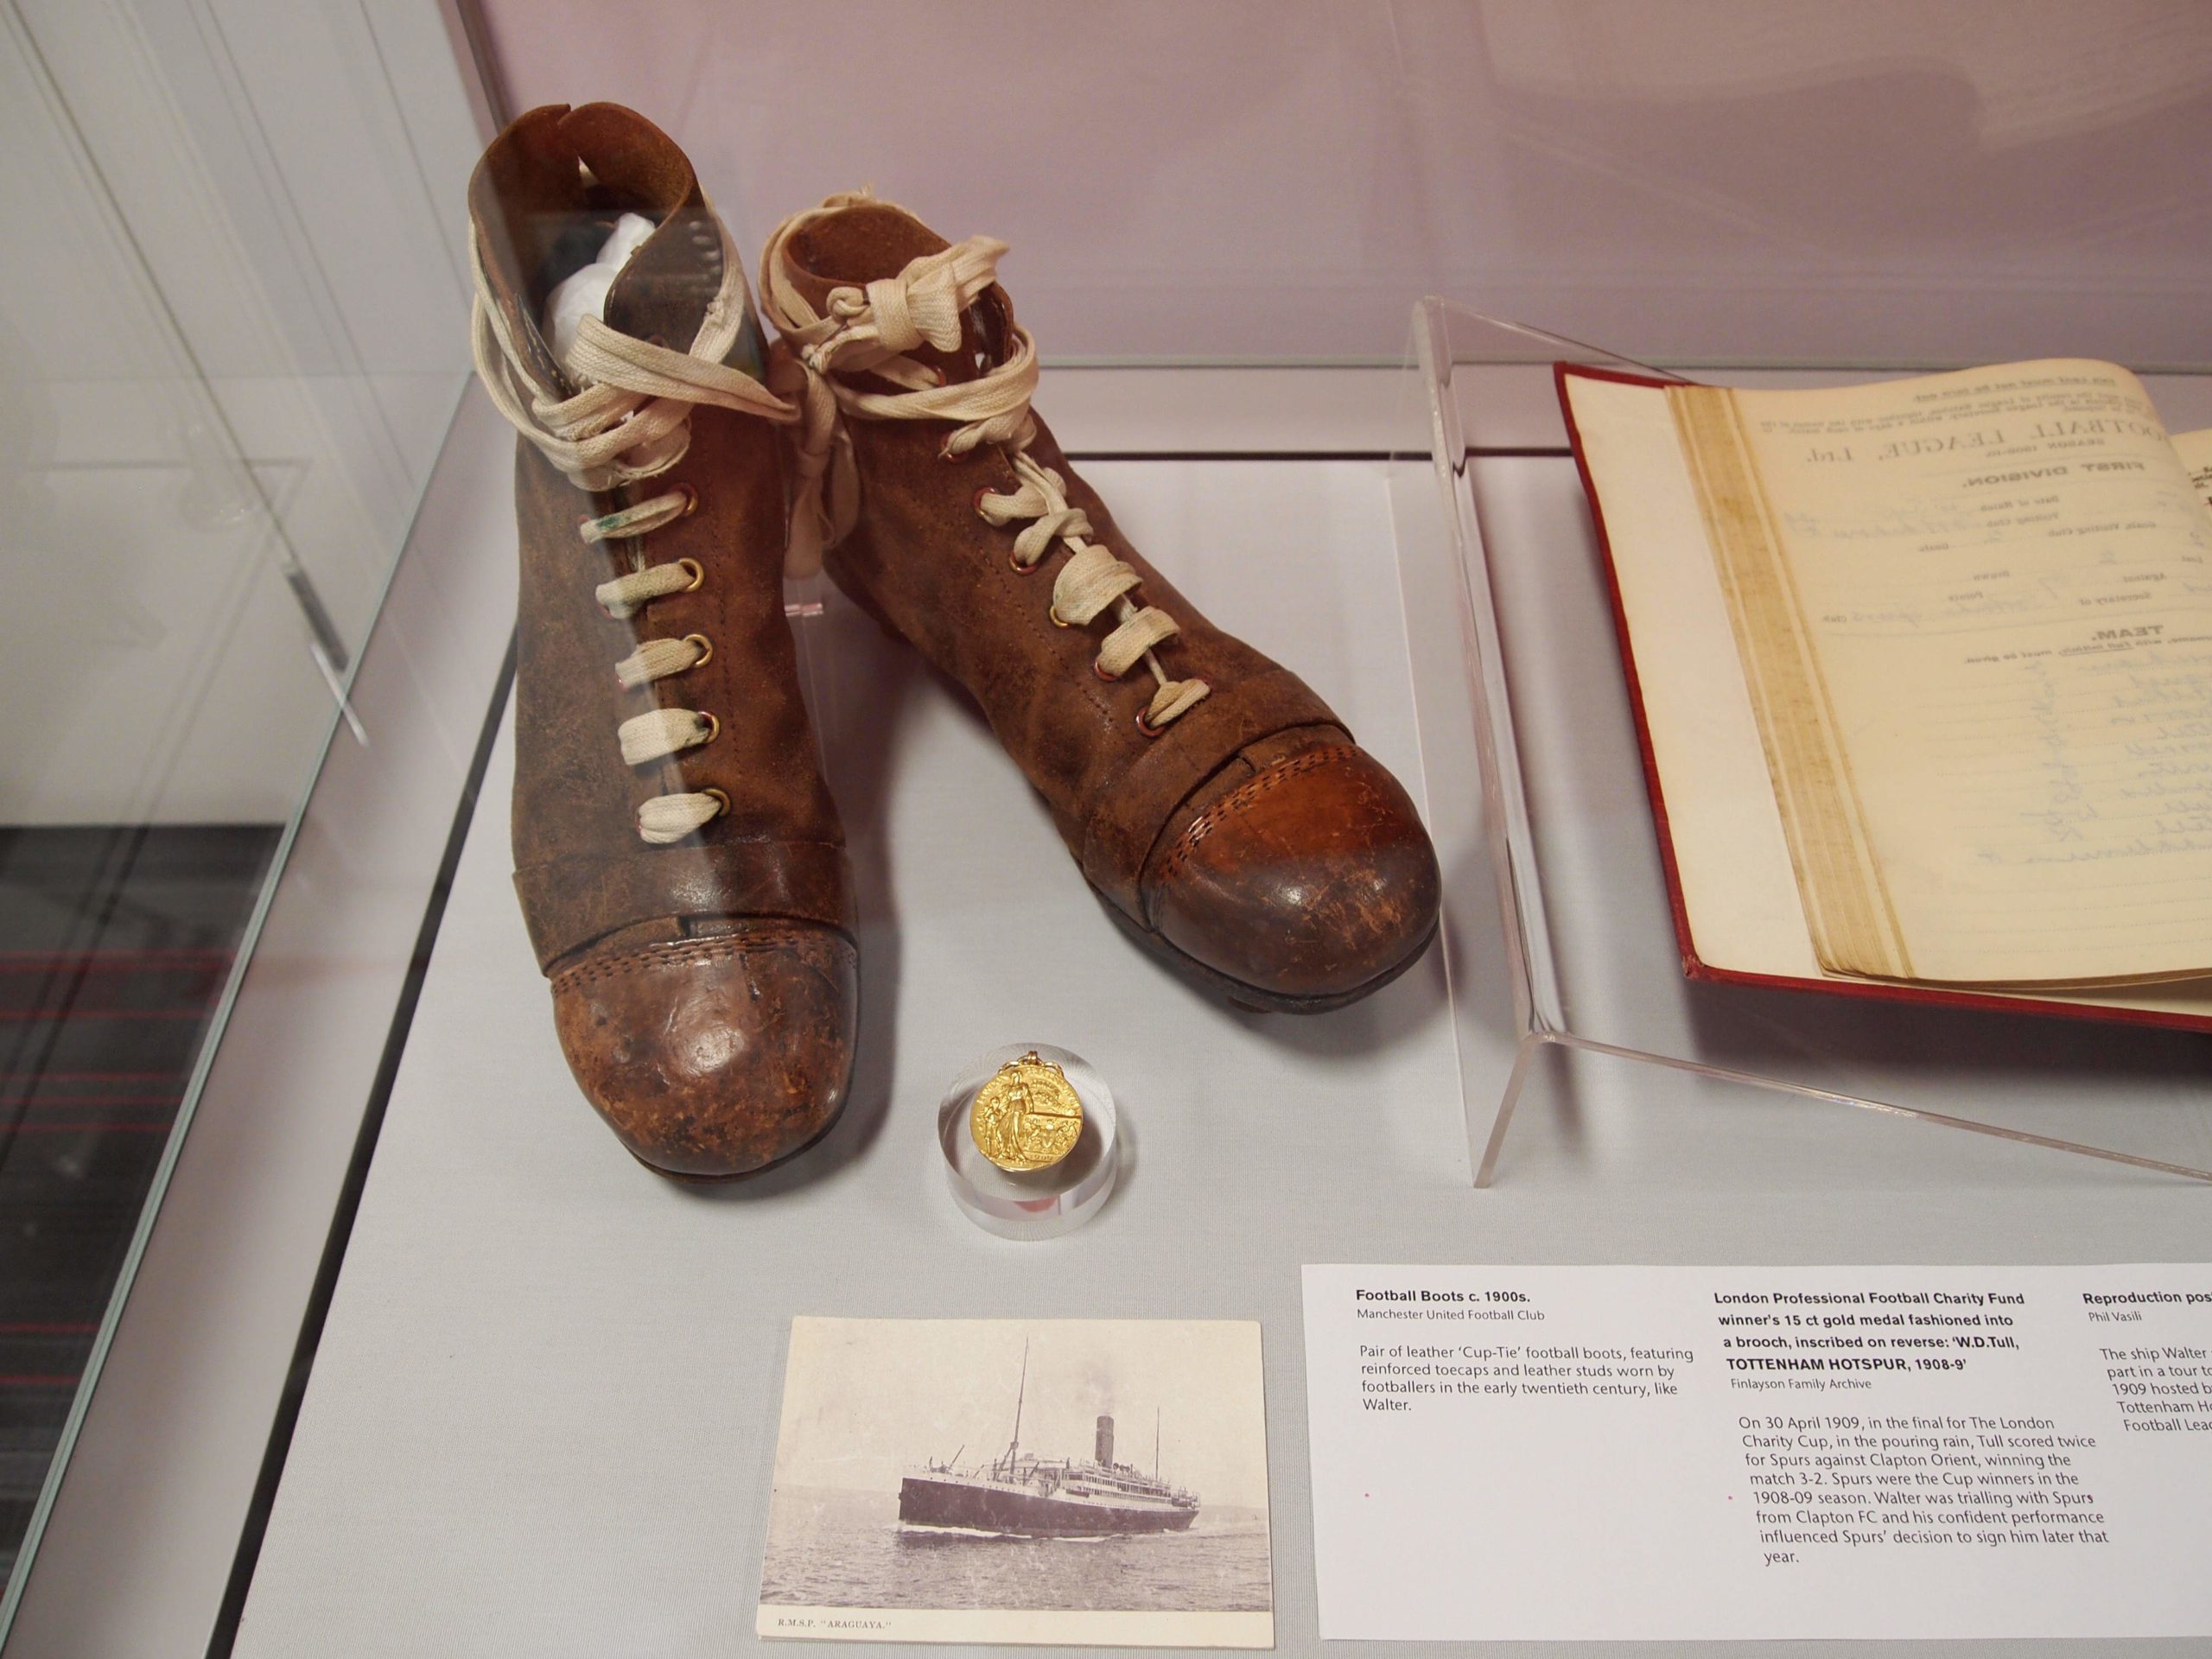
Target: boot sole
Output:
{"points": [[1236, 991]]}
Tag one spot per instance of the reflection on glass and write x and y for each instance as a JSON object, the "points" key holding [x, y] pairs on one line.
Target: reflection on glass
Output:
{"points": [[217, 411]]}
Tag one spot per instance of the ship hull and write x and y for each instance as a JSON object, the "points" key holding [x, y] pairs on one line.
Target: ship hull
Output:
{"points": [[976, 1508]]}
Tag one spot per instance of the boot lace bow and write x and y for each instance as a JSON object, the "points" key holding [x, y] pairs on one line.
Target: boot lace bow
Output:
{"points": [[869, 330]]}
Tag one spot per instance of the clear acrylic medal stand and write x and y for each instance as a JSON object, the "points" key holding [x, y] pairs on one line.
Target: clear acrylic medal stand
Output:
{"points": [[1032, 1203], [1492, 525]]}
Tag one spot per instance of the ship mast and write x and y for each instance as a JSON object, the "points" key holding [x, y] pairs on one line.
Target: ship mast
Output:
{"points": [[1020, 1389], [1155, 1442]]}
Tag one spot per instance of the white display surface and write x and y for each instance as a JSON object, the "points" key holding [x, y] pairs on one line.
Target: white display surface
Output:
{"points": [[1857, 1452], [541, 1417]]}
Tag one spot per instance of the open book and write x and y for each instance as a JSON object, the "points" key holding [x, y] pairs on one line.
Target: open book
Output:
{"points": [[1923, 673]]}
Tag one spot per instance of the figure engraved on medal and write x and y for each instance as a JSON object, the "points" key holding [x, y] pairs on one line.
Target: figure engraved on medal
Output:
{"points": [[1027, 1116]]}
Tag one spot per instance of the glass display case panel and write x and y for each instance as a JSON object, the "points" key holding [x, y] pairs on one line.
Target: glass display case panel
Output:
{"points": [[230, 332], [1734, 182]]}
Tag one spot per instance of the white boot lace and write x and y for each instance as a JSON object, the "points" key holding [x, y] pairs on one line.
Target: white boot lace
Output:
{"points": [[869, 330], [630, 421]]}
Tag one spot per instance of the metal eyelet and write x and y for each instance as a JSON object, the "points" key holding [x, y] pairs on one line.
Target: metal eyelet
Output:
{"points": [[690, 500], [714, 728], [698, 576], [706, 649], [1099, 669], [1057, 621], [1014, 563], [977, 499], [1148, 728], [721, 797]]}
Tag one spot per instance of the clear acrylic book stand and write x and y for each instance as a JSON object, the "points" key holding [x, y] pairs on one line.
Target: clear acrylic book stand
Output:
{"points": [[1588, 940]]}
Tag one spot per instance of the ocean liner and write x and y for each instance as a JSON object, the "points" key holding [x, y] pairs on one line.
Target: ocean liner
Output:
{"points": [[1023, 1495]]}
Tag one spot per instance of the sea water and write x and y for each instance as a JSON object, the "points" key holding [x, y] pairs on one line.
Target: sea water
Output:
{"points": [[847, 1549]]}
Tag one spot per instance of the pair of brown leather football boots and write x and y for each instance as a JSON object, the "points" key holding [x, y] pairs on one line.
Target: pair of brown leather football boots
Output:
{"points": [[680, 863]]}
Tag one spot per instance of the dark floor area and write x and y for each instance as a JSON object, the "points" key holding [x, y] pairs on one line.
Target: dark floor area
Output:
{"points": [[115, 943]]}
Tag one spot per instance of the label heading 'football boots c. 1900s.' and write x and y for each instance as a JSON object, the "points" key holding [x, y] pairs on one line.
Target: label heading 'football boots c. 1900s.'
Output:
{"points": [[1214, 802], [679, 862]]}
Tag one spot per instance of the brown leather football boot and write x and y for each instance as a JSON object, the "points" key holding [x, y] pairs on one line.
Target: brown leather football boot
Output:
{"points": [[1216, 804], [679, 861]]}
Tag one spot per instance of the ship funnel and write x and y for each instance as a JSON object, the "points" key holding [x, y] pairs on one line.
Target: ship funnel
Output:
{"points": [[1106, 1441]]}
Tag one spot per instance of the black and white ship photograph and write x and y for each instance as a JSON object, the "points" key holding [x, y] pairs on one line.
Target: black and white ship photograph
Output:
{"points": [[1000, 1480]]}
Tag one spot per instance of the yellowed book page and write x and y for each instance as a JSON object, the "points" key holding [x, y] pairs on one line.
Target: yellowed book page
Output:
{"points": [[2195, 449], [1739, 891], [1840, 881], [2191, 997], [2005, 580], [1740, 894]]}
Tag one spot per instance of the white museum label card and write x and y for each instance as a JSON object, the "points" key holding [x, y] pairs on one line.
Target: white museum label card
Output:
{"points": [[1714, 1453]]}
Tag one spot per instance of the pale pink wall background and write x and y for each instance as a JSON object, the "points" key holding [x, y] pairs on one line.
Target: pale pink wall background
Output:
{"points": [[1693, 180]]}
